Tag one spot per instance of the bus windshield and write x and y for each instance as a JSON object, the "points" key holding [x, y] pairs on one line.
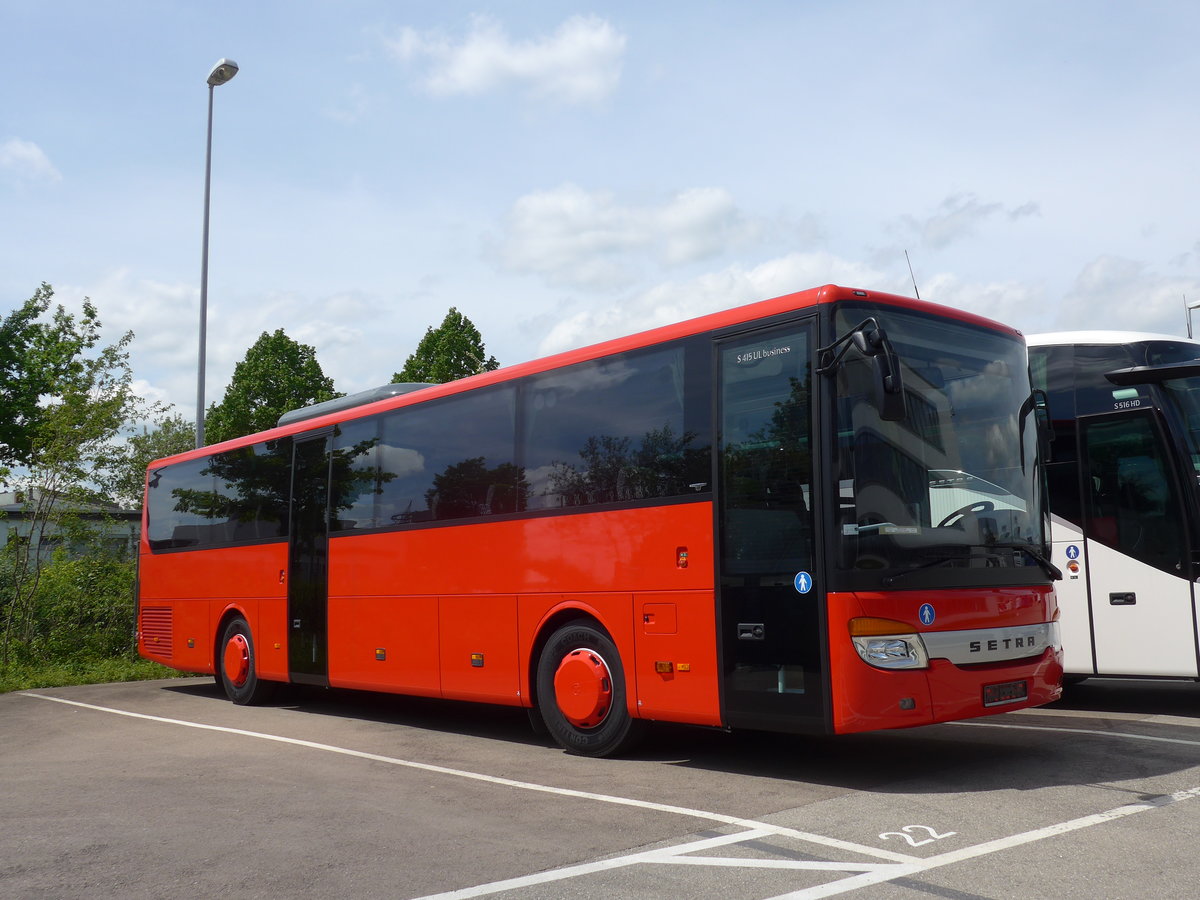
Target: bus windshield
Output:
{"points": [[951, 494], [1182, 399]]}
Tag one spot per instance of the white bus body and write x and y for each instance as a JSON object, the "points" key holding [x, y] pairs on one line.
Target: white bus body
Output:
{"points": [[1124, 499]]}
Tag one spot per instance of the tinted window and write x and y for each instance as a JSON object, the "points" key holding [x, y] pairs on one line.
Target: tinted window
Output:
{"points": [[1094, 392], [177, 514], [615, 429], [437, 461], [228, 498], [355, 475], [1052, 369], [1132, 505]]}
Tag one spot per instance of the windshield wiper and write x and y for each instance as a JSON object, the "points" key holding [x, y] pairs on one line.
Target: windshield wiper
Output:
{"points": [[948, 555], [1053, 571]]}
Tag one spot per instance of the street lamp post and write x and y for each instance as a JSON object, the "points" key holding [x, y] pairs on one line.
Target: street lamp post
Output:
{"points": [[222, 72]]}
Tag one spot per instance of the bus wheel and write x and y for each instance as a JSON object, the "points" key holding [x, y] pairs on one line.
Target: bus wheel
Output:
{"points": [[236, 666], [581, 692]]}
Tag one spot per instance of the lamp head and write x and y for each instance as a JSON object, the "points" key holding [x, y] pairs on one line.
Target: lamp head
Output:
{"points": [[222, 72]]}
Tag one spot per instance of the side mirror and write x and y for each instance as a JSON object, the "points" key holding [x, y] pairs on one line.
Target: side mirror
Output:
{"points": [[889, 389], [870, 340]]}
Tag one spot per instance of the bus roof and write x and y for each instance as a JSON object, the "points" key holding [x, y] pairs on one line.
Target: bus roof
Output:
{"points": [[1102, 338], [762, 309]]}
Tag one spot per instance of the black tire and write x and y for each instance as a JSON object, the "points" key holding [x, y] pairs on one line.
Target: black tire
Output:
{"points": [[237, 668], [592, 719]]}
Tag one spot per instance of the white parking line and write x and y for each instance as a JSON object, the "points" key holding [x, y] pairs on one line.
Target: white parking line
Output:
{"points": [[674, 856], [507, 782], [1007, 843], [1106, 734], [866, 874]]}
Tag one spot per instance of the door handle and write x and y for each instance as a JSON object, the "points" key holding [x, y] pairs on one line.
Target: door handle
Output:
{"points": [[1122, 598]]}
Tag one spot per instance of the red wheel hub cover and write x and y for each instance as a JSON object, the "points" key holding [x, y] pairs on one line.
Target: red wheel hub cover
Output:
{"points": [[237, 660], [583, 688]]}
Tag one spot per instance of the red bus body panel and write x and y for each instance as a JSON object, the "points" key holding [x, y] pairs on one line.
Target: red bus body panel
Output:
{"points": [[456, 611], [865, 698], [200, 587]]}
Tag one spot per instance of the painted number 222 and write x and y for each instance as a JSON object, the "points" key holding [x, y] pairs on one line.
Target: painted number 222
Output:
{"points": [[906, 833]]}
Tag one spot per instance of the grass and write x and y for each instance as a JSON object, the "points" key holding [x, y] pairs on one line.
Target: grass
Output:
{"points": [[23, 676]]}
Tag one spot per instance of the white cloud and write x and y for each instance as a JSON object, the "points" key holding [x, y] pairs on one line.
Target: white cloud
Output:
{"points": [[1011, 302], [580, 62], [165, 321], [958, 217], [730, 287], [573, 237], [1113, 292], [25, 161]]}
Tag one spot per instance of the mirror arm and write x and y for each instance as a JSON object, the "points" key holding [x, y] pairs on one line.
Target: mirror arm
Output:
{"points": [[829, 362]]}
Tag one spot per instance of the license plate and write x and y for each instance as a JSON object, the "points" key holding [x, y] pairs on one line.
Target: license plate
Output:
{"points": [[1006, 692]]}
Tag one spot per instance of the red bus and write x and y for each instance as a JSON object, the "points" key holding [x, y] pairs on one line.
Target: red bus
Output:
{"points": [[818, 513]]}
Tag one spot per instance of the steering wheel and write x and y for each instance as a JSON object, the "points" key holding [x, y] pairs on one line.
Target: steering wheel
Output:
{"points": [[977, 507]]}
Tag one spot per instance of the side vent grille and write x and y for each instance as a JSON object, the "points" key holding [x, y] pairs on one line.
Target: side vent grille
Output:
{"points": [[158, 630]]}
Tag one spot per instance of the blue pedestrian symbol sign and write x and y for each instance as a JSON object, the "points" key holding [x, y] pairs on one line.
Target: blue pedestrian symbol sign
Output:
{"points": [[927, 613], [803, 582], [1072, 552]]}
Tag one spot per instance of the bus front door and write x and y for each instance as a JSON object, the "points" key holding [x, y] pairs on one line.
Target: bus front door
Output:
{"points": [[1138, 568], [769, 601], [308, 562]]}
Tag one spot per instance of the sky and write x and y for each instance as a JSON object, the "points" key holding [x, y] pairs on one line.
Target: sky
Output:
{"points": [[563, 174]]}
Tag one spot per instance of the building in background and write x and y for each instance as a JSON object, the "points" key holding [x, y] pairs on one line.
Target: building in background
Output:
{"points": [[118, 529]]}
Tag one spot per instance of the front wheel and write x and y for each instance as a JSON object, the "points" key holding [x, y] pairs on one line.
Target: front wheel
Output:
{"points": [[236, 666], [581, 692]]}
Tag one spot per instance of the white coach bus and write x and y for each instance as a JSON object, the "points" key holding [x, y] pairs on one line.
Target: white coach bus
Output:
{"points": [[1124, 489]]}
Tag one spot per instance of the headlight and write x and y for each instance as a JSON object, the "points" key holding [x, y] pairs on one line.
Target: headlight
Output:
{"points": [[884, 644]]}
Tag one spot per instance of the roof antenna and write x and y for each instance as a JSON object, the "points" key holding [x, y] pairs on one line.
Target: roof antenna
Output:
{"points": [[911, 275]]}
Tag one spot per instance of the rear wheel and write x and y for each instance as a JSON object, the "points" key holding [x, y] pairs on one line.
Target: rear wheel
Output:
{"points": [[581, 692], [236, 666]]}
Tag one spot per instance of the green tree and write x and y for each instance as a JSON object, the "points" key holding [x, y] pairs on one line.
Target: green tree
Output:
{"points": [[125, 477], [277, 375], [38, 357], [65, 443], [452, 350]]}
